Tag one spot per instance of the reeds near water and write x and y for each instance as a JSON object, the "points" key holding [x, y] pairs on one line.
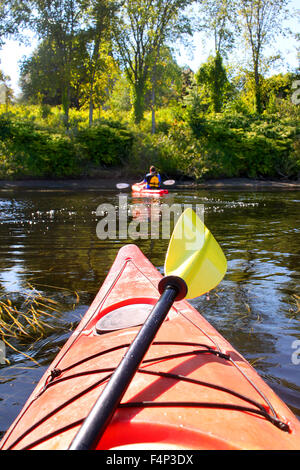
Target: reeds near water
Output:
{"points": [[31, 320]]}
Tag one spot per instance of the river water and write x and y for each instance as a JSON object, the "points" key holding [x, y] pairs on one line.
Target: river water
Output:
{"points": [[49, 245]]}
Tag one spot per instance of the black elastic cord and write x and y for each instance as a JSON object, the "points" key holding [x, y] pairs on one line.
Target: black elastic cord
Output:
{"points": [[56, 373], [168, 404], [226, 406], [126, 345]]}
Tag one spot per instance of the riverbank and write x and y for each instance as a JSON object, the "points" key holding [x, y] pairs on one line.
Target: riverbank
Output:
{"points": [[108, 182]]}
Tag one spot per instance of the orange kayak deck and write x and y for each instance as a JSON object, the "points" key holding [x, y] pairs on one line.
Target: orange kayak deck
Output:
{"points": [[192, 391]]}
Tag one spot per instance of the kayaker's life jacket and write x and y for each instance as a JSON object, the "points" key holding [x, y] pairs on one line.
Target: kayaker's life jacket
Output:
{"points": [[153, 180]]}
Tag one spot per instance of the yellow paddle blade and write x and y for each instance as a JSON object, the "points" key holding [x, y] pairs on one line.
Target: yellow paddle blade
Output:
{"points": [[194, 255]]}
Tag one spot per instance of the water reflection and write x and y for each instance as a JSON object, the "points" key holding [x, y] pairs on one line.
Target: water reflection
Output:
{"points": [[49, 239]]}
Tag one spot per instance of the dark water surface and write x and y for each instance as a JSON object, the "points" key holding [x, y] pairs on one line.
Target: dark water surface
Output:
{"points": [[48, 241]]}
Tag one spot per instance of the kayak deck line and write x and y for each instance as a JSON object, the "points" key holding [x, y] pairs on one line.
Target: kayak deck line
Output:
{"points": [[55, 378], [163, 363]]}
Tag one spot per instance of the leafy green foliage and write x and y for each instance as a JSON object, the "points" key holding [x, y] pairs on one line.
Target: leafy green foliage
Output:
{"points": [[212, 77], [217, 19], [225, 145], [188, 142], [142, 30], [105, 144], [32, 152], [27, 150], [246, 145], [262, 21]]}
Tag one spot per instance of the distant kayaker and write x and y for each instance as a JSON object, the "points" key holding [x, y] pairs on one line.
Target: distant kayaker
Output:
{"points": [[152, 179]]}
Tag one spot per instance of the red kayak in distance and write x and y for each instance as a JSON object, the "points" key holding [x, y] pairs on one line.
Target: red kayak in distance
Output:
{"points": [[141, 190], [193, 390]]}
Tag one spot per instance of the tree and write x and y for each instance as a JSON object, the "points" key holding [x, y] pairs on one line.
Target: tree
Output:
{"points": [[143, 27], [165, 82], [261, 21], [60, 22], [98, 18], [297, 37], [212, 76], [74, 28], [14, 15], [168, 80], [39, 76], [41, 80], [100, 77], [3, 16], [6, 92], [119, 100], [217, 19]]}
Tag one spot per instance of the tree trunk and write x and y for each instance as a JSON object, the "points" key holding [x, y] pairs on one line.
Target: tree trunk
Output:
{"points": [[91, 103], [153, 100], [154, 91], [257, 91], [138, 102], [219, 81], [66, 104], [91, 109], [153, 110], [93, 66]]}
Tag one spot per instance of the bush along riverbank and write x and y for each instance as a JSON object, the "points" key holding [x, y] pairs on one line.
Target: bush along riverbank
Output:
{"points": [[199, 147], [27, 149]]}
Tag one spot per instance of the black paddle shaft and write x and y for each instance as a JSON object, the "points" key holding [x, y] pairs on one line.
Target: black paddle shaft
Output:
{"points": [[102, 412]]}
